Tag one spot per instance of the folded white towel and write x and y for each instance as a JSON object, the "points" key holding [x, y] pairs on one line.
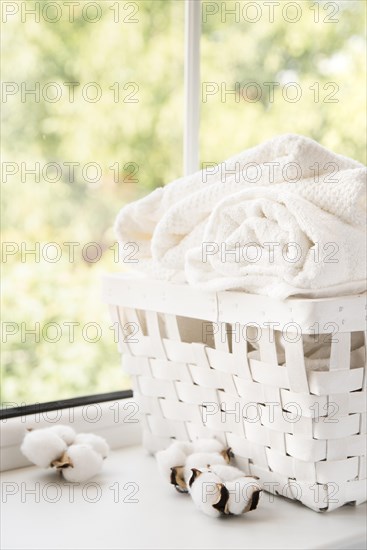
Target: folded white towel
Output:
{"points": [[310, 251], [170, 224]]}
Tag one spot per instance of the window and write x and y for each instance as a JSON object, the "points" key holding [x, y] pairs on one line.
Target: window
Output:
{"points": [[93, 96], [92, 102], [276, 67]]}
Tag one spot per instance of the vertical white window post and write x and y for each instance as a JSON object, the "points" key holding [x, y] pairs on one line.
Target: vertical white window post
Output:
{"points": [[192, 85]]}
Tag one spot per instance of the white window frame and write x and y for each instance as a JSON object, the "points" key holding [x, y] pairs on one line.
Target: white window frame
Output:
{"points": [[192, 86]]}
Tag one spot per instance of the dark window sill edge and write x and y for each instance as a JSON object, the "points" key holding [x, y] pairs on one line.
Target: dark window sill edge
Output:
{"points": [[24, 410]]}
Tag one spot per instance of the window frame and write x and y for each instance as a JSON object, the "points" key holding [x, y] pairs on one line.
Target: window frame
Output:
{"points": [[84, 400]]}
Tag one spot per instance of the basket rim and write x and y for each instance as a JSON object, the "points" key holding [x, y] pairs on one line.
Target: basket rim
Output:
{"points": [[158, 283], [347, 313]]}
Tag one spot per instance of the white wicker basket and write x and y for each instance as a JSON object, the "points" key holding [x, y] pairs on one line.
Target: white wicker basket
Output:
{"points": [[195, 374]]}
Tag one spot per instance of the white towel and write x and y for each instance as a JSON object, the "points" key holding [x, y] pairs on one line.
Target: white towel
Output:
{"points": [[172, 222], [309, 251]]}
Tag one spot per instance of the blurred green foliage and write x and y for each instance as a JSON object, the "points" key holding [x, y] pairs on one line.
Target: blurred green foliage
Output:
{"points": [[142, 51], [324, 51]]}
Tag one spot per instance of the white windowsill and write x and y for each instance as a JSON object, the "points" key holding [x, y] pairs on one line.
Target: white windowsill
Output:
{"points": [[161, 518], [116, 421]]}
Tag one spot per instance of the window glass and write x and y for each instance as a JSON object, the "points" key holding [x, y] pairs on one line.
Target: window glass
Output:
{"points": [[90, 93], [274, 67]]}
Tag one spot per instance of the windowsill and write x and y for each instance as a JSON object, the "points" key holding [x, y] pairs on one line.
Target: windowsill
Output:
{"points": [[116, 421], [161, 518]]}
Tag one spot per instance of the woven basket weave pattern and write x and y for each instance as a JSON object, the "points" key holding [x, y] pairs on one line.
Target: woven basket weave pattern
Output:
{"points": [[302, 431]]}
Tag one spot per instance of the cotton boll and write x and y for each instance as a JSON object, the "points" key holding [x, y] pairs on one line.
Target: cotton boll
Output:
{"points": [[65, 432], [202, 460], [184, 446], [244, 494], [172, 457], [85, 463], [97, 443], [226, 472], [42, 447], [207, 446], [208, 493]]}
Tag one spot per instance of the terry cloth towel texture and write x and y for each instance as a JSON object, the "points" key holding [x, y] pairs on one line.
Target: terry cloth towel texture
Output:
{"points": [[284, 218]]}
